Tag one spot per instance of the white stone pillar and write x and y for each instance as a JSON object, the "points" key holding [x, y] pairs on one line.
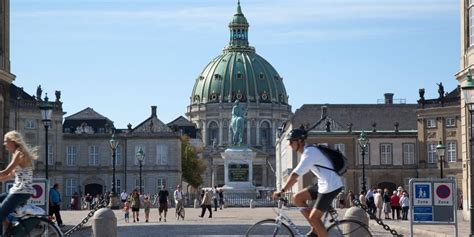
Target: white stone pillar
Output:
{"points": [[249, 133], [204, 132]]}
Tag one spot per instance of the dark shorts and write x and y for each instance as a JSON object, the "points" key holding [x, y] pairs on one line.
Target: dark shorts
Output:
{"points": [[123, 200], [163, 207], [322, 200], [135, 209]]}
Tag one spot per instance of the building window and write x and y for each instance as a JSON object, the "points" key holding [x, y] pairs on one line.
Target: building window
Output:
{"points": [[71, 155], [431, 153], [93, 155], [471, 23], [265, 133], [408, 153], [159, 183], [213, 132], [71, 186], [341, 147], [29, 124], [451, 151], [161, 154], [366, 155], [385, 154], [450, 122], [118, 186], [431, 123], [50, 154]]}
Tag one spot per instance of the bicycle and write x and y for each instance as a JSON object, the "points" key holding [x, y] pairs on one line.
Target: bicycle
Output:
{"points": [[180, 212], [30, 220], [282, 225]]}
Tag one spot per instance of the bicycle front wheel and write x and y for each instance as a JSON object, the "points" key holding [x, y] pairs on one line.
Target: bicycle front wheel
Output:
{"points": [[269, 227], [34, 227], [349, 228]]}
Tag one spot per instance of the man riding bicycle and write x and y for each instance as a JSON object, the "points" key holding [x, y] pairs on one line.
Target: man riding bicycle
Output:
{"points": [[329, 182]]}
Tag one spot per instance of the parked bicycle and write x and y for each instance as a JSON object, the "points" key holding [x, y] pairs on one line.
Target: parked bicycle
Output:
{"points": [[30, 220], [282, 225]]}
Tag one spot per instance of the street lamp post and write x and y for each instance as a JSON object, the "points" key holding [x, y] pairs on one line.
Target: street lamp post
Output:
{"points": [[468, 92], [140, 157], [363, 144], [113, 201], [46, 111], [440, 148]]}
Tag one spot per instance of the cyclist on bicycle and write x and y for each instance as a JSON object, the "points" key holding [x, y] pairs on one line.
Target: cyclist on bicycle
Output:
{"points": [[20, 166], [178, 198], [329, 182]]}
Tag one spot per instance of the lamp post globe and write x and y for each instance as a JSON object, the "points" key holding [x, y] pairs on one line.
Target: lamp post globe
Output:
{"points": [[363, 144], [46, 111], [440, 148], [141, 157], [113, 199], [468, 94]]}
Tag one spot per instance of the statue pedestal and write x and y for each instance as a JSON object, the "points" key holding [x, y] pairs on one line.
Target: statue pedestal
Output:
{"points": [[238, 170]]}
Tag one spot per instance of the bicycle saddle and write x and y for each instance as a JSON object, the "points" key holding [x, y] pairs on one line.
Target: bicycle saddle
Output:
{"points": [[28, 209]]}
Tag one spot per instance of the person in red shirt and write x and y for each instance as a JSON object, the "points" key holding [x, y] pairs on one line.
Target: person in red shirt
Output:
{"points": [[395, 204]]}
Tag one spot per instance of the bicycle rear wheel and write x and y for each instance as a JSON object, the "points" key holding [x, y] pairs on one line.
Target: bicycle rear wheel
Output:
{"points": [[34, 227], [269, 227], [349, 228]]}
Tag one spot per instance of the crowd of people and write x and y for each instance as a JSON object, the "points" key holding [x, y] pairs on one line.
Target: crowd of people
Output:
{"points": [[394, 205]]}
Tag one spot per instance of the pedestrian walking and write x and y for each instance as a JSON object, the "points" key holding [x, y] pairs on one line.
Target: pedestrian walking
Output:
{"points": [[395, 205], [135, 205], [163, 202], [215, 196], [146, 207], [405, 204], [126, 212], [55, 203], [386, 204], [221, 198], [75, 201], [206, 204]]}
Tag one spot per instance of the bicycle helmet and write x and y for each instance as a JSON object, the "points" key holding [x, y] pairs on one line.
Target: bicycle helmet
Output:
{"points": [[296, 134]]}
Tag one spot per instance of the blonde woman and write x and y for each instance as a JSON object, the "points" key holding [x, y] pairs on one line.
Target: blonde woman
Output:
{"points": [[20, 166]]}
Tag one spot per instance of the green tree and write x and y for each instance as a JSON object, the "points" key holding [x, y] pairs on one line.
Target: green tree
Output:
{"points": [[191, 166]]}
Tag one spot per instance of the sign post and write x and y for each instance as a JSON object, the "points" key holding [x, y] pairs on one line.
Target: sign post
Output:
{"points": [[433, 202], [41, 196]]}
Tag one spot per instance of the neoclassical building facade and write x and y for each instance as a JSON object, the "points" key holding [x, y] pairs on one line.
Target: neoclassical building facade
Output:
{"points": [[6, 77], [239, 73]]}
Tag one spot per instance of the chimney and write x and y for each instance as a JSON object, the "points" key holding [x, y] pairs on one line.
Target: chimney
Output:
{"points": [[388, 98], [324, 111], [153, 111]]}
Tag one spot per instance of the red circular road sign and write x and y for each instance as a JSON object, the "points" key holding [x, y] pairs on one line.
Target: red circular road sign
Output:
{"points": [[39, 191], [443, 191]]}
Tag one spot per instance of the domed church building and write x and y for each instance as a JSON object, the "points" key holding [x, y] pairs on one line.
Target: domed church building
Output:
{"points": [[239, 74]]}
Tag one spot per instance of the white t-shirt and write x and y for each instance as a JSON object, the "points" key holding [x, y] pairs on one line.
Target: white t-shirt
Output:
{"points": [[328, 180]]}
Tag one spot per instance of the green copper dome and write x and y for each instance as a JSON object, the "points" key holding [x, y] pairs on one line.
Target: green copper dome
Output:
{"points": [[239, 72]]}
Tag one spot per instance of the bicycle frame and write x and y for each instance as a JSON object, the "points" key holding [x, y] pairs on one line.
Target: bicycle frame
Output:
{"points": [[282, 217]]}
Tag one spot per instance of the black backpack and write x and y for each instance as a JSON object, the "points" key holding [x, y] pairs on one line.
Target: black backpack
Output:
{"points": [[338, 160]]}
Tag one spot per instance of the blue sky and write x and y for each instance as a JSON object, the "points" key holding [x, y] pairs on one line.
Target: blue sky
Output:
{"points": [[119, 57]]}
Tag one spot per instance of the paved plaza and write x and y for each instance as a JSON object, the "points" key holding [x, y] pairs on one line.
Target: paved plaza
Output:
{"points": [[235, 222]]}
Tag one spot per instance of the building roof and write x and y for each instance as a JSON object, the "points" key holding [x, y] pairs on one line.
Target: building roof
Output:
{"points": [[152, 124], [239, 73], [87, 121], [18, 93], [180, 122], [357, 116]]}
